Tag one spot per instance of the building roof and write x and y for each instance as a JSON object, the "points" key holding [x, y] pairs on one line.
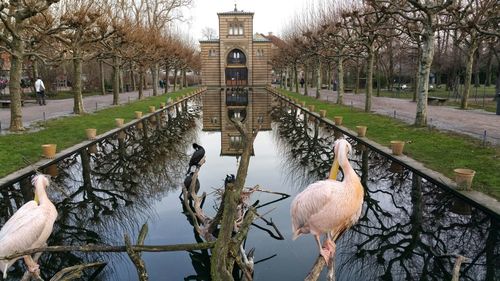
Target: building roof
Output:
{"points": [[209, 41], [235, 12], [257, 37]]}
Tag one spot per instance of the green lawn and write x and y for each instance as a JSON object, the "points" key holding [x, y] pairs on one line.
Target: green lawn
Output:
{"points": [[439, 151], [68, 131]]}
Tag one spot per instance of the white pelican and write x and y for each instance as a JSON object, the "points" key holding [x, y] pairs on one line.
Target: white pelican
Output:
{"points": [[329, 207], [28, 228]]}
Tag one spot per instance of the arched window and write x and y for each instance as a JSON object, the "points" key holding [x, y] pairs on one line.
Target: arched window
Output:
{"points": [[236, 57]]}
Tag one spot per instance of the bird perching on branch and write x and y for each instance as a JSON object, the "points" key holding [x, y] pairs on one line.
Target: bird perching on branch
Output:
{"points": [[198, 155], [28, 228], [329, 206]]}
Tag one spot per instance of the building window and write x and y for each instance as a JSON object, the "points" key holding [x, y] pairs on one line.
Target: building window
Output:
{"points": [[236, 57], [212, 53], [235, 142], [236, 28], [260, 53]]}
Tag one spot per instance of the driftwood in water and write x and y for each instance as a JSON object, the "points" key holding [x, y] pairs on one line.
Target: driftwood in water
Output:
{"points": [[134, 256], [226, 250], [106, 248], [75, 272]]}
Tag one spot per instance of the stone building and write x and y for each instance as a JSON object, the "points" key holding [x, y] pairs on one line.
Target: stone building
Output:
{"points": [[235, 69], [239, 57]]}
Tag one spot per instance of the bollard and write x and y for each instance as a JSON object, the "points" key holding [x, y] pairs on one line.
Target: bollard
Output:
{"points": [[0, 126], [129, 99], [44, 119], [394, 113], [484, 138]]}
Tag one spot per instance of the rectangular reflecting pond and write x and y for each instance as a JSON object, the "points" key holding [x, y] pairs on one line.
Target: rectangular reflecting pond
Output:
{"points": [[409, 228]]}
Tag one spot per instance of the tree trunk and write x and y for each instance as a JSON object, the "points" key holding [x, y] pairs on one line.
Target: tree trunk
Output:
{"points": [[16, 67], [77, 84], [296, 78], [477, 83], [101, 74], [184, 78], [369, 76], [318, 80], [329, 76], [468, 73], [306, 80], [290, 83], [425, 63], [175, 79], [120, 75], [141, 79], [222, 260], [116, 80], [167, 78], [132, 77], [340, 77], [487, 79], [286, 78], [154, 74], [356, 83], [34, 72]]}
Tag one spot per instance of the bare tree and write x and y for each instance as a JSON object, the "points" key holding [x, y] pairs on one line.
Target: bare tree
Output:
{"points": [[208, 33], [14, 16]]}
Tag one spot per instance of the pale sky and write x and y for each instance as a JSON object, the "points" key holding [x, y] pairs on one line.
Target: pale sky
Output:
{"points": [[270, 15]]}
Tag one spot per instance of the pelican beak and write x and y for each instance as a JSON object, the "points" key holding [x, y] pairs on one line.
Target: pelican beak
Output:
{"points": [[335, 169]]}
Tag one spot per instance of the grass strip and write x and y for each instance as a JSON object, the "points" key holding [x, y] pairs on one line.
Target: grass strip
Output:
{"points": [[437, 150], [68, 131]]}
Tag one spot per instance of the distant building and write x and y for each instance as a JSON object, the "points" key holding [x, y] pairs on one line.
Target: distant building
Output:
{"points": [[238, 57]]}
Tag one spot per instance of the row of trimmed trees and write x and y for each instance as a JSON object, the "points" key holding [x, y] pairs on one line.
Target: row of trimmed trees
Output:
{"points": [[133, 36], [383, 37]]}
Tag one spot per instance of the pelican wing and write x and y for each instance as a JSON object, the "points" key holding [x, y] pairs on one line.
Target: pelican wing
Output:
{"points": [[23, 228], [309, 202]]}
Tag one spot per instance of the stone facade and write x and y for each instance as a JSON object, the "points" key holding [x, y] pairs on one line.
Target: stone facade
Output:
{"points": [[238, 57]]}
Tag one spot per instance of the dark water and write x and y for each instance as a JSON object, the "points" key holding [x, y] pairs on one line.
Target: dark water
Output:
{"points": [[407, 231]]}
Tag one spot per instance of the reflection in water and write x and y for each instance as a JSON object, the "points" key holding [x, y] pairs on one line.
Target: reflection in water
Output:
{"points": [[409, 229]]}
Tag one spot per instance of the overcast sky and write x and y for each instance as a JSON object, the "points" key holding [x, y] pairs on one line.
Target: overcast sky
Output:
{"points": [[270, 15]]}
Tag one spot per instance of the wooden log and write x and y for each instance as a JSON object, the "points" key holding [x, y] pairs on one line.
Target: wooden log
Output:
{"points": [[107, 248]]}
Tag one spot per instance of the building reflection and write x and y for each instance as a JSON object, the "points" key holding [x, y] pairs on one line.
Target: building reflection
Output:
{"points": [[252, 107]]}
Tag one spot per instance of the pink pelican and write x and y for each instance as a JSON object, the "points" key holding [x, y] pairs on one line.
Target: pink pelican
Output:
{"points": [[28, 228], [329, 207]]}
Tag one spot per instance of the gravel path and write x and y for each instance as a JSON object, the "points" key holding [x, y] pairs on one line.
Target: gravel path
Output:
{"points": [[33, 112], [473, 123]]}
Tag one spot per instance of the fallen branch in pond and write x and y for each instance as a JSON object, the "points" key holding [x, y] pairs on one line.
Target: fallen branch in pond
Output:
{"points": [[135, 257], [115, 249], [75, 272]]}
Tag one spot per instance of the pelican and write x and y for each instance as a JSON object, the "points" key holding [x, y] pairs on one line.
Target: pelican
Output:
{"points": [[197, 156], [28, 228], [329, 207]]}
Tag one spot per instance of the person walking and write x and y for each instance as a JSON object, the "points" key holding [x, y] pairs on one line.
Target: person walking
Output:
{"points": [[40, 91], [302, 81]]}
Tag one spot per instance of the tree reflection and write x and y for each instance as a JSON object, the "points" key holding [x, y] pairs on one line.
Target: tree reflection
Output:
{"points": [[409, 228]]}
